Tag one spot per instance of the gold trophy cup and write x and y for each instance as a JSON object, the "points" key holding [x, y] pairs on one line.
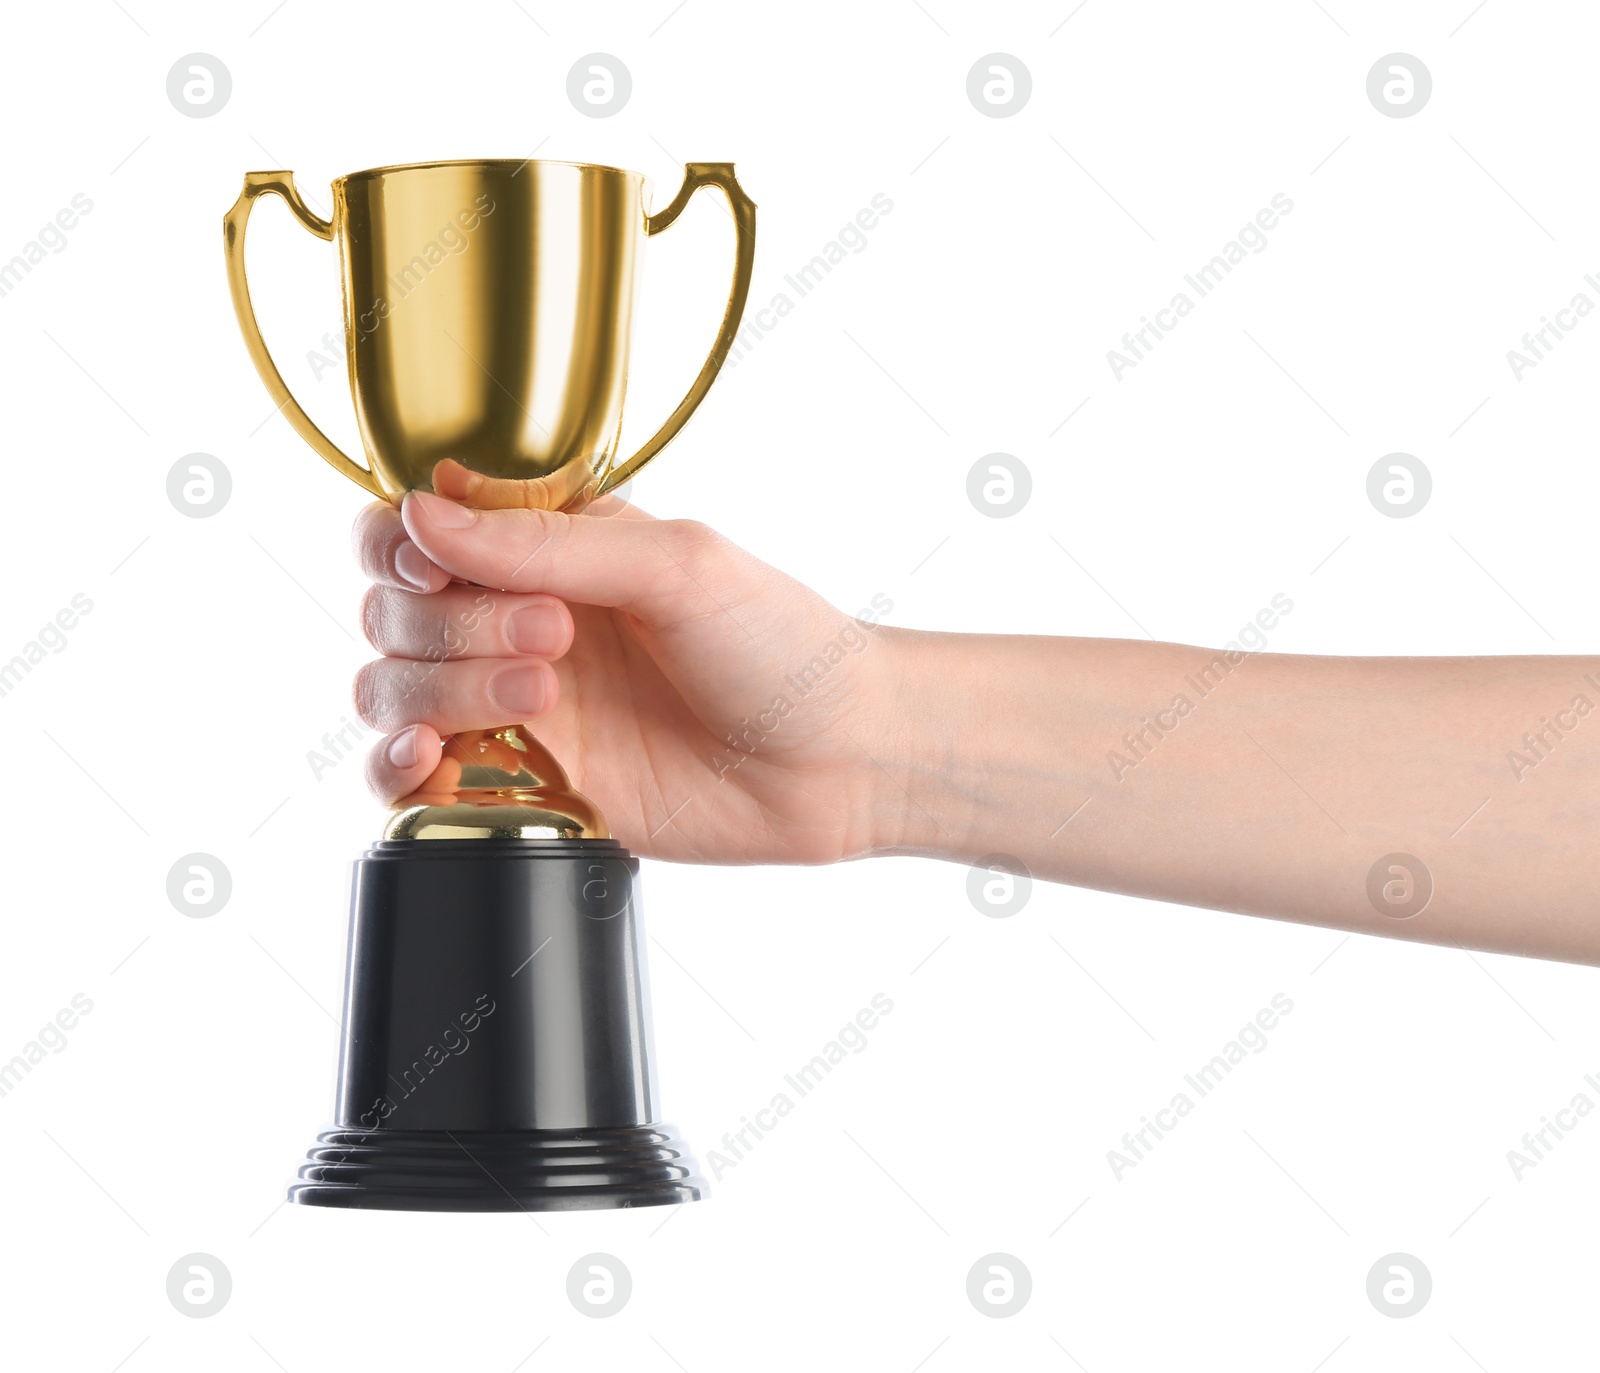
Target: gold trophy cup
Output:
{"points": [[488, 307]]}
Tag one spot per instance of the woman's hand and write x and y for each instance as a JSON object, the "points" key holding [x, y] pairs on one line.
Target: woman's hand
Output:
{"points": [[714, 709], [1293, 787]]}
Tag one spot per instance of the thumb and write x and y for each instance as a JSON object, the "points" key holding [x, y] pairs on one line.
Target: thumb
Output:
{"points": [[553, 492], [639, 565]]}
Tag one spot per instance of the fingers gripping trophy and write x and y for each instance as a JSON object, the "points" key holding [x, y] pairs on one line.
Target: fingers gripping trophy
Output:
{"points": [[495, 1052]]}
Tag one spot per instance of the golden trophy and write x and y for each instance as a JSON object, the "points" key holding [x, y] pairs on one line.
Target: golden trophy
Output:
{"points": [[495, 1049]]}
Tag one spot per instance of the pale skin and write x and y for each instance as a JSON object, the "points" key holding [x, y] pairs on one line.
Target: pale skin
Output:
{"points": [[634, 647]]}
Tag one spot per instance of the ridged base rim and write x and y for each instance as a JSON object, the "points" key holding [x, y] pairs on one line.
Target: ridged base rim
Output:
{"points": [[513, 1170]]}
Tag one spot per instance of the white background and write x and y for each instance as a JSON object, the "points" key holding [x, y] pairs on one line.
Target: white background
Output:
{"points": [[1224, 469]]}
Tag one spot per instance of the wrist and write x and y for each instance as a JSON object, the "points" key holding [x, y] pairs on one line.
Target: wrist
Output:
{"points": [[981, 743], [914, 746]]}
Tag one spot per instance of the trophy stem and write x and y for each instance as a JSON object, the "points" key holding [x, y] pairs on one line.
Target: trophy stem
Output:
{"points": [[497, 784]]}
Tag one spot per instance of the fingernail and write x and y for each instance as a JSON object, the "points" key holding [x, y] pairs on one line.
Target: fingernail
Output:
{"points": [[412, 565], [440, 512], [540, 629], [403, 749], [518, 690]]}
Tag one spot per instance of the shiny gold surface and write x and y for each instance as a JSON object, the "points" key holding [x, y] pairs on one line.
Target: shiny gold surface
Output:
{"points": [[488, 309], [496, 784], [233, 230]]}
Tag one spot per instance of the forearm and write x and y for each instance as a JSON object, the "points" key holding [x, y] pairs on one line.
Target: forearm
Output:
{"points": [[1269, 785]]}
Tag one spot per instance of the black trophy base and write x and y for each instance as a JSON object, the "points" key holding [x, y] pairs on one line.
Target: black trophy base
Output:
{"points": [[512, 1170], [495, 1046]]}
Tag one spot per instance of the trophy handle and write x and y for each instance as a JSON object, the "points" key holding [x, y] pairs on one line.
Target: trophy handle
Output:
{"points": [[233, 229], [698, 174]]}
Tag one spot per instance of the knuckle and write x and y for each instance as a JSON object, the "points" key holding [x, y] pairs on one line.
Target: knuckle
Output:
{"points": [[533, 537], [391, 693], [479, 625], [414, 689], [369, 536], [695, 547], [377, 769], [366, 694], [374, 616], [538, 494]]}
